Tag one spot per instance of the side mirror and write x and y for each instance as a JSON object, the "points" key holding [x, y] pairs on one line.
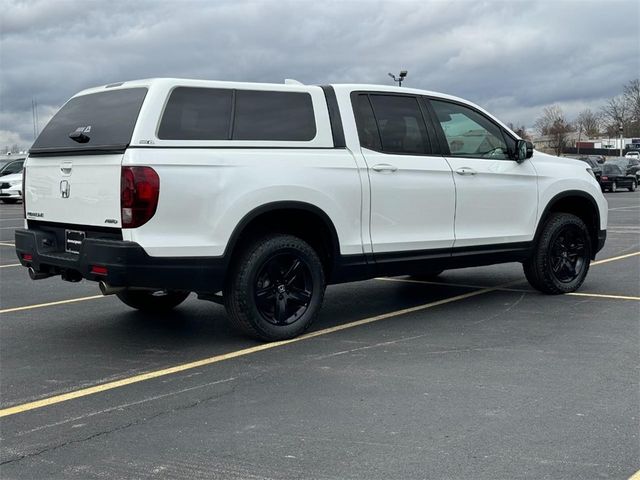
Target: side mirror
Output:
{"points": [[524, 150]]}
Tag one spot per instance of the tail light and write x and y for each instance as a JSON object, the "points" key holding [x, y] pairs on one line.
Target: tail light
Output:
{"points": [[604, 178], [139, 192]]}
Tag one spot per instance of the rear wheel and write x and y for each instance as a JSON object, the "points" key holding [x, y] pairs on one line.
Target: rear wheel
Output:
{"points": [[275, 289], [633, 186], [614, 187], [561, 258], [149, 301]]}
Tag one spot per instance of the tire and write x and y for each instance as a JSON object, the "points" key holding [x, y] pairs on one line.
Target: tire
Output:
{"points": [[633, 186], [614, 187], [155, 302], [561, 257], [275, 289]]}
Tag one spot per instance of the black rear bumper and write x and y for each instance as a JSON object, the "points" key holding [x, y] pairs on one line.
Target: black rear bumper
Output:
{"points": [[126, 263]]}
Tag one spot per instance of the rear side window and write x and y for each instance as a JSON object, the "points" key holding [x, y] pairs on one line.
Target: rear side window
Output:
{"points": [[197, 114], [226, 114], [400, 123], [366, 122], [284, 116], [105, 119]]}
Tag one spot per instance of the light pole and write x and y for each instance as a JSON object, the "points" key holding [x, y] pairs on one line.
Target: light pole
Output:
{"points": [[399, 78], [621, 130]]}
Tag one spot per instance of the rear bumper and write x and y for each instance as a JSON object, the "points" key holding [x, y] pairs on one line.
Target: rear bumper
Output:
{"points": [[126, 263]]}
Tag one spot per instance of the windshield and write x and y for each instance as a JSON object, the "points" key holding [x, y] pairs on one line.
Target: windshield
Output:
{"points": [[98, 121]]}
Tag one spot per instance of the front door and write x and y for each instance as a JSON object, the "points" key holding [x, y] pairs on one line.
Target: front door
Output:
{"points": [[496, 197]]}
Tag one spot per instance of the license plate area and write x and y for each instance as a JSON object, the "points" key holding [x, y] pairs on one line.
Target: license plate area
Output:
{"points": [[73, 241]]}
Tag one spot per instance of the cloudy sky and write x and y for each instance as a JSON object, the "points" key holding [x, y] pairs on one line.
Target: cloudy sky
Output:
{"points": [[512, 57]]}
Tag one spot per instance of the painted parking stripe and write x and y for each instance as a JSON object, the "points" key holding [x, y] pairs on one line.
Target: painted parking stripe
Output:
{"points": [[7, 244], [613, 259], [25, 407], [506, 289], [50, 304], [10, 265], [635, 476]]}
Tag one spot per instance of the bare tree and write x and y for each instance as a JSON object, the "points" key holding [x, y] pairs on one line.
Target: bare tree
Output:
{"points": [[616, 113], [553, 124], [631, 95], [521, 131], [588, 122]]}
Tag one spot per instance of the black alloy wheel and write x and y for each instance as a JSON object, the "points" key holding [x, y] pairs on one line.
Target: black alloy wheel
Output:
{"points": [[275, 287], [283, 288], [567, 256]]}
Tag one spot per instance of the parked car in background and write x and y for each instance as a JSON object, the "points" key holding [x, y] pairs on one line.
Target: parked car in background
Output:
{"points": [[613, 178], [11, 188], [7, 167], [594, 164], [630, 166], [633, 154]]}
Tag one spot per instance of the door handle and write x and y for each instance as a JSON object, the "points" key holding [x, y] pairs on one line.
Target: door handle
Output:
{"points": [[384, 167], [466, 171]]}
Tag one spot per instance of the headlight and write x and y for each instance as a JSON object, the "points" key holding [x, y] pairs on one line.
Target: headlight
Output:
{"points": [[591, 172]]}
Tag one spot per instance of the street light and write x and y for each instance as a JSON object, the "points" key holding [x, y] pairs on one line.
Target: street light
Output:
{"points": [[621, 130], [399, 78]]}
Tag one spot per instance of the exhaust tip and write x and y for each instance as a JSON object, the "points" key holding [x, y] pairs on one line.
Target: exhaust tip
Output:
{"points": [[107, 289], [38, 275]]}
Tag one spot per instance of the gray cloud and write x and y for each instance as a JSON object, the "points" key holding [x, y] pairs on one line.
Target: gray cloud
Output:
{"points": [[513, 57]]}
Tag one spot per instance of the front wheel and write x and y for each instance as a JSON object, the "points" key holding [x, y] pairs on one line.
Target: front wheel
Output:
{"points": [[560, 261], [633, 186], [614, 187], [149, 301], [275, 289]]}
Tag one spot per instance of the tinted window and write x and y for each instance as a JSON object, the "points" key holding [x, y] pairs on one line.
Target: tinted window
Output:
{"points": [[197, 114], [106, 118], [468, 133], [13, 167], [400, 123], [611, 169], [284, 116], [366, 122]]}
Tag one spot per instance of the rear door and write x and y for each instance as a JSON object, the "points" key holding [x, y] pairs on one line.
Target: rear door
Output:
{"points": [[496, 197], [412, 190], [73, 170]]}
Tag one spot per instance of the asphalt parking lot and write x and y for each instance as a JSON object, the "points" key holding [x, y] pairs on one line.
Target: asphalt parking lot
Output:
{"points": [[474, 376]]}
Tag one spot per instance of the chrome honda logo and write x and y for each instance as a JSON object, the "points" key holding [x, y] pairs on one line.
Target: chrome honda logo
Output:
{"points": [[65, 189]]}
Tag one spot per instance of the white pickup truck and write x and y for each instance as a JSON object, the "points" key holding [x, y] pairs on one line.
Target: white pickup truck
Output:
{"points": [[259, 195]]}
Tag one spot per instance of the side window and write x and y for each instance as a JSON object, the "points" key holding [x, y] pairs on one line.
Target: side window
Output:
{"points": [[197, 114], [400, 123], [284, 116], [14, 167], [470, 134], [366, 122]]}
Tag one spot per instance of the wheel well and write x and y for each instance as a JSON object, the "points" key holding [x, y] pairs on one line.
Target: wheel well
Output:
{"points": [[305, 222], [582, 207]]}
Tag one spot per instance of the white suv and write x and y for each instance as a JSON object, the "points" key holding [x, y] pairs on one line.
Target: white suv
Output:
{"points": [[259, 195]]}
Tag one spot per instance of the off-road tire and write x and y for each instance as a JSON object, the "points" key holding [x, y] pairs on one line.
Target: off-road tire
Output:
{"points": [[242, 285], [538, 269]]}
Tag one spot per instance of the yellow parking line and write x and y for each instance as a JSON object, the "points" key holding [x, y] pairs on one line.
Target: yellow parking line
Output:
{"points": [[635, 476], [10, 265], [603, 295], [226, 356], [504, 289], [613, 259], [50, 304]]}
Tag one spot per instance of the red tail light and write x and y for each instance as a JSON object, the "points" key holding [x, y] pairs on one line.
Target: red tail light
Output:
{"points": [[139, 192], [604, 178]]}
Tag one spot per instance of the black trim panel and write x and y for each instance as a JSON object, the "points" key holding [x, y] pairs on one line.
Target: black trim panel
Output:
{"points": [[107, 150], [127, 263], [334, 116]]}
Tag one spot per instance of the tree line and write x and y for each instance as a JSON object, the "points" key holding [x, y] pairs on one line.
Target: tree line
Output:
{"points": [[623, 110]]}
